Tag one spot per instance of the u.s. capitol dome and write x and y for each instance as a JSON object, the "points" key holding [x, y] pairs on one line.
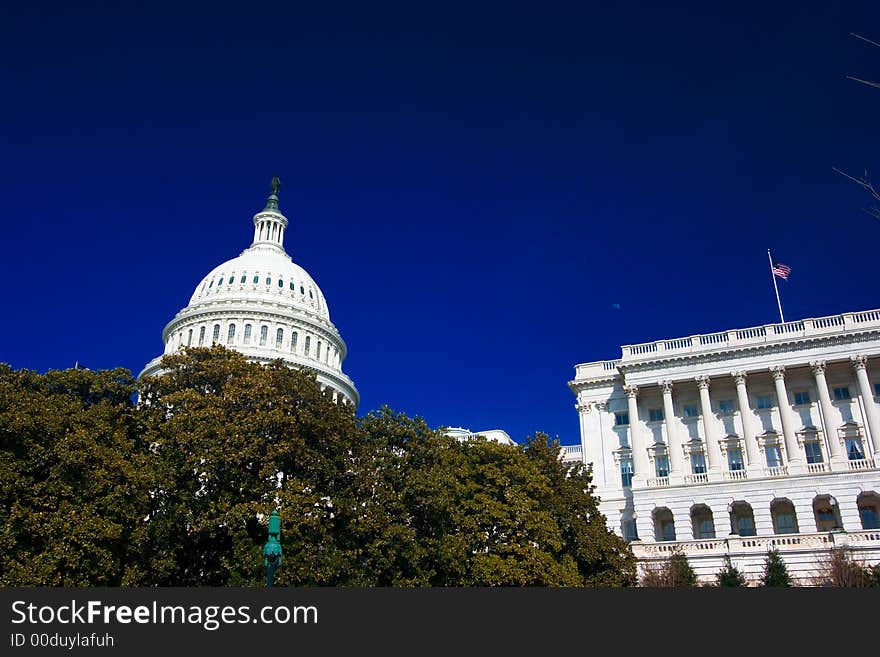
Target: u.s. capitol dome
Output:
{"points": [[265, 306]]}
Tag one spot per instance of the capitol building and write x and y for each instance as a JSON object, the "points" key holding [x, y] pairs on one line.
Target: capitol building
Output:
{"points": [[735, 442], [265, 306]]}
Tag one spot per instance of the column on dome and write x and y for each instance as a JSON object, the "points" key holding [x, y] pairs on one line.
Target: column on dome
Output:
{"points": [[836, 456], [860, 364], [673, 440], [750, 436], [713, 450], [792, 449], [641, 466]]}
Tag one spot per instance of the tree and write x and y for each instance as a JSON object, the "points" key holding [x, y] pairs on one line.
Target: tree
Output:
{"points": [[74, 476], [478, 513], [840, 568], [775, 570], [231, 442], [176, 489], [730, 575], [863, 181], [674, 571]]}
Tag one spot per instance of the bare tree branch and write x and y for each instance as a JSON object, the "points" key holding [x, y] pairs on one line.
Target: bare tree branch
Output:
{"points": [[876, 85], [859, 36]]}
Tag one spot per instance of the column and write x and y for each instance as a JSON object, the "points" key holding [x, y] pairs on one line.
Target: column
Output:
{"points": [[591, 443], [612, 469], [637, 439], [750, 436], [860, 363], [713, 450], [792, 449], [836, 456], [673, 442]]}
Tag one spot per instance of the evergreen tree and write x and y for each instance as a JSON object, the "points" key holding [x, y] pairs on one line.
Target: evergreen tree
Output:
{"points": [[775, 570], [730, 575]]}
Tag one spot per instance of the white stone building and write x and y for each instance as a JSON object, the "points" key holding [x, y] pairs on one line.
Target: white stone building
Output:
{"points": [[734, 442], [498, 435], [265, 306]]}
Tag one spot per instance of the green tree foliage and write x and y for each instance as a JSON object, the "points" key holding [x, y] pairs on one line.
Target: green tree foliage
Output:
{"points": [[730, 575], [674, 571], [73, 477], [775, 570], [176, 490], [478, 513]]}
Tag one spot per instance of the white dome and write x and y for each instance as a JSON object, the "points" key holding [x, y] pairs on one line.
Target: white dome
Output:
{"points": [[263, 273], [267, 307]]}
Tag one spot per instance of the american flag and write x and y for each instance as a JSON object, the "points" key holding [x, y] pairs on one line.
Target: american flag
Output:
{"points": [[781, 270]]}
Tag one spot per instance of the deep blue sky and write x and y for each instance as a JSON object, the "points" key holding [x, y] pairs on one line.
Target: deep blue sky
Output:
{"points": [[474, 187]]}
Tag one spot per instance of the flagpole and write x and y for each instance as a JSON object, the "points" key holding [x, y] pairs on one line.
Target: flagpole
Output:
{"points": [[775, 286]]}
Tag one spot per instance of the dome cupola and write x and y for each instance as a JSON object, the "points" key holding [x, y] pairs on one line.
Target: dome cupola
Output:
{"points": [[264, 305]]}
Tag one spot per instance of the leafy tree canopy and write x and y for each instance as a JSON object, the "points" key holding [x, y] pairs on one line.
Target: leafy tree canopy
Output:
{"points": [[176, 489]]}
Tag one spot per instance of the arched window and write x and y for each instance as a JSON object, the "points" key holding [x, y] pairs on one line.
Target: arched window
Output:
{"points": [[256, 278], [310, 295], [189, 338], [243, 278], [220, 282], [784, 517], [280, 283], [308, 344], [327, 355], [664, 524], [827, 513], [869, 509], [264, 335], [230, 335], [279, 338], [216, 333], [318, 351], [292, 286], [302, 290], [703, 521], [247, 333], [201, 336], [211, 284], [293, 341], [268, 280], [742, 519]]}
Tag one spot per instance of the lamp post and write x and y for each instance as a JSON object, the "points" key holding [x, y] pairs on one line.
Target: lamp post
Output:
{"points": [[272, 549]]}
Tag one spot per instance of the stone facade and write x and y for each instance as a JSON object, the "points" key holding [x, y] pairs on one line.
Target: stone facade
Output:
{"points": [[733, 442]]}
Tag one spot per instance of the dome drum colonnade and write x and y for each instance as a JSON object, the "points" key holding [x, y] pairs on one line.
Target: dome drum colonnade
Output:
{"points": [[265, 306]]}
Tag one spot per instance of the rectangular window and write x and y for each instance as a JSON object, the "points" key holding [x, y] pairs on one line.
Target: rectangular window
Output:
{"points": [[655, 414], [629, 530], [802, 397], [661, 466], [764, 402], [698, 463], [690, 411], [842, 393], [621, 418], [774, 456], [785, 524], [854, 449], [813, 451], [877, 389], [725, 406], [626, 473], [735, 459]]}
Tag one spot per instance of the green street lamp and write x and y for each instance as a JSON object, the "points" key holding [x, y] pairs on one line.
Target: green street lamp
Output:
{"points": [[272, 549]]}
